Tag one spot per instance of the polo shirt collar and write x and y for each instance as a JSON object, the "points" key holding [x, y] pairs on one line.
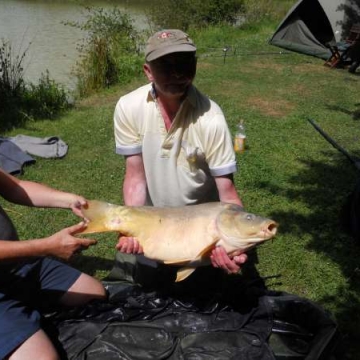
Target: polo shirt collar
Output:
{"points": [[190, 96]]}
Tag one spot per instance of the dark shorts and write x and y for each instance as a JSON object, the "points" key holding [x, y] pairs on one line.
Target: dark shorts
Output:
{"points": [[25, 292]]}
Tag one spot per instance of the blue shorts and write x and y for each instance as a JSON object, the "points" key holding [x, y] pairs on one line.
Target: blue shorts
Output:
{"points": [[25, 292]]}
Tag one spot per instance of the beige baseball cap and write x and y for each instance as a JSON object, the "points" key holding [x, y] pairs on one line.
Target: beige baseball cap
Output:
{"points": [[166, 42]]}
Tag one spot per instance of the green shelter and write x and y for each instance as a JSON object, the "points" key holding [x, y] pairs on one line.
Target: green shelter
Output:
{"points": [[311, 24]]}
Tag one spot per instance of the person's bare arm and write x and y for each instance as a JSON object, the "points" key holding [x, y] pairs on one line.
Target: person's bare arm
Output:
{"points": [[227, 190], [62, 244], [134, 193], [219, 257], [134, 187], [30, 193]]}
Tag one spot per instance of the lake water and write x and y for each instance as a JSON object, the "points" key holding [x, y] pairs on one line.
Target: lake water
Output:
{"points": [[35, 26]]}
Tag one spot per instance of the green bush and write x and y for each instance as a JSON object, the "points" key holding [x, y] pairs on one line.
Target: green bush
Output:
{"points": [[11, 86], [46, 99], [183, 14], [20, 101], [264, 11], [197, 14], [109, 53]]}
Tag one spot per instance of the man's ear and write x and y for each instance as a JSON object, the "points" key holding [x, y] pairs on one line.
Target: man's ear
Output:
{"points": [[147, 71]]}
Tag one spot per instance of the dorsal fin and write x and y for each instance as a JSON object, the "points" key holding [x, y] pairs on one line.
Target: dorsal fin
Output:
{"points": [[183, 273], [99, 215]]}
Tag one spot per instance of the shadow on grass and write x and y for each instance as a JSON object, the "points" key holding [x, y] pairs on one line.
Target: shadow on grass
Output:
{"points": [[354, 114], [324, 188]]}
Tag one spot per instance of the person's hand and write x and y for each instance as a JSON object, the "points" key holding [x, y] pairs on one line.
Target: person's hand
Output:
{"points": [[76, 205], [64, 244], [220, 259], [129, 245]]}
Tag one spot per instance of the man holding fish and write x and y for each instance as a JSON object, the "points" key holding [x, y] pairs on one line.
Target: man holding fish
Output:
{"points": [[30, 279], [176, 141]]}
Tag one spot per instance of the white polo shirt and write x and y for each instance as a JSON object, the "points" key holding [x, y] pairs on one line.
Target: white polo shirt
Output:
{"points": [[180, 163]]}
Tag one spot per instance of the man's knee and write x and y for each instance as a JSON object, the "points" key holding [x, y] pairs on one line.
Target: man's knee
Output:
{"points": [[38, 346], [84, 289]]}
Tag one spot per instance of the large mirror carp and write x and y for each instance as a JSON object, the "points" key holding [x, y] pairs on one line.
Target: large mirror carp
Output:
{"points": [[183, 236]]}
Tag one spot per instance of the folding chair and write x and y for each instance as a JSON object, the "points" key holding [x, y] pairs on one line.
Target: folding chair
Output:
{"points": [[340, 51]]}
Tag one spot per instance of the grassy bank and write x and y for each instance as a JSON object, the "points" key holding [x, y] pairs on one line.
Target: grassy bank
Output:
{"points": [[288, 172]]}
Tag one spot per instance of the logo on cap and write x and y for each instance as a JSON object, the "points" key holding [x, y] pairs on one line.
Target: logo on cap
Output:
{"points": [[165, 35]]}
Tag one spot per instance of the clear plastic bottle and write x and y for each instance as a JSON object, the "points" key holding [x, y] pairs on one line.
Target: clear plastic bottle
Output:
{"points": [[240, 137]]}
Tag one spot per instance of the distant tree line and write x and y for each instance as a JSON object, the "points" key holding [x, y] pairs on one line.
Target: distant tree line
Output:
{"points": [[110, 52]]}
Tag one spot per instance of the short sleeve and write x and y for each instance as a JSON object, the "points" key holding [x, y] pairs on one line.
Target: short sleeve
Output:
{"points": [[127, 136], [218, 146]]}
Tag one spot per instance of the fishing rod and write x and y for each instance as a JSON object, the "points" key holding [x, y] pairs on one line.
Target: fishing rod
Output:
{"points": [[353, 159]]}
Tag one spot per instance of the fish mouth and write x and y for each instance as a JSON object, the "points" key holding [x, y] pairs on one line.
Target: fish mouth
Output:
{"points": [[270, 230]]}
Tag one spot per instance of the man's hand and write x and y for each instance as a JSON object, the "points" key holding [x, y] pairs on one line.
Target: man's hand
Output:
{"points": [[220, 259], [77, 204], [64, 244], [129, 245]]}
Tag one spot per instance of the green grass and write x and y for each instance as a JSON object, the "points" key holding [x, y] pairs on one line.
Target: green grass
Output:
{"points": [[288, 172]]}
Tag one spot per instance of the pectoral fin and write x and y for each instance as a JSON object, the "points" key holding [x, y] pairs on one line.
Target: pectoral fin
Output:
{"points": [[177, 262], [205, 253], [183, 273]]}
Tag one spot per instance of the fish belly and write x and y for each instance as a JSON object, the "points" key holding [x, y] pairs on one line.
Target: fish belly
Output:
{"points": [[178, 240]]}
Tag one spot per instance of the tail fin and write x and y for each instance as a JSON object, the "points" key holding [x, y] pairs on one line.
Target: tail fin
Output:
{"points": [[98, 214]]}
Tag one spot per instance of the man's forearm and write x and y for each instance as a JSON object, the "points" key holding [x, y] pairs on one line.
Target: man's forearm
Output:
{"points": [[16, 250], [135, 185], [227, 190], [39, 195], [134, 192]]}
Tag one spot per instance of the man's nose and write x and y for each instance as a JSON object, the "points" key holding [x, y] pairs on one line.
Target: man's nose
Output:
{"points": [[176, 74], [178, 71]]}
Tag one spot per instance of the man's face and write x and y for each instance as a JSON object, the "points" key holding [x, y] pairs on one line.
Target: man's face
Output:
{"points": [[172, 74]]}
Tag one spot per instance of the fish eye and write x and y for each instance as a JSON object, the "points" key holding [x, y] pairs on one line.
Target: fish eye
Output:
{"points": [[249, 217]]}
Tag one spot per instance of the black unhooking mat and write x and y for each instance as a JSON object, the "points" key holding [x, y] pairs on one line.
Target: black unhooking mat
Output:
{"points": [[235, 322]]}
